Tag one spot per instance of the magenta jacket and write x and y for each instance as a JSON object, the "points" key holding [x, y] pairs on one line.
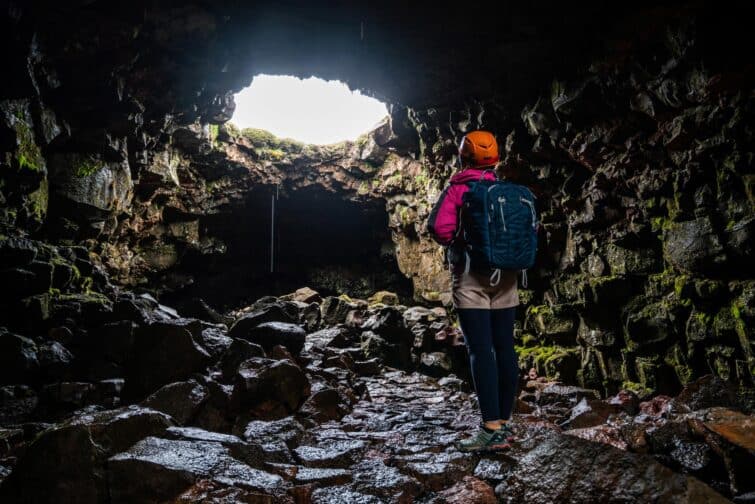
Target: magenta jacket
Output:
{"points": [[443, 218]]}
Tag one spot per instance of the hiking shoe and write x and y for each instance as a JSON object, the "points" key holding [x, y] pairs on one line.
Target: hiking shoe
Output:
{"points": [[509, 432], [484, 440]]}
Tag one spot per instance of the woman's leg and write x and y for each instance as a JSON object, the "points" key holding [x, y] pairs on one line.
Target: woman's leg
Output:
{"points": [[476, 325], [502, 330]]}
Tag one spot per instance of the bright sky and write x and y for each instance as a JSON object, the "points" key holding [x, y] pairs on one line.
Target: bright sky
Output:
{"points": [[310, 110]]}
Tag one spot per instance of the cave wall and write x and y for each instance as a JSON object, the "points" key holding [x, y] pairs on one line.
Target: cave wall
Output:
{"points": [[633, 127]]}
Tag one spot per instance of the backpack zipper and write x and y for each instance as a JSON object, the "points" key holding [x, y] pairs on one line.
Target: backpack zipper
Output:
{"points": [[532, 209], [501, 202]]}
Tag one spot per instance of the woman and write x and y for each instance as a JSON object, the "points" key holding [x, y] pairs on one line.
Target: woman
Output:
{"points": [[486, 312]]}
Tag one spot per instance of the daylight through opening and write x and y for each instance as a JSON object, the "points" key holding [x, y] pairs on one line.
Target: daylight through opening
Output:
{"points": [[310, 110]]}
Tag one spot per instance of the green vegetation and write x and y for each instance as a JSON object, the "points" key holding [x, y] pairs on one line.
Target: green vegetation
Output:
{"points": [[263, 139], [85, 165], [214, 132], [544, 358], [28, 153], [638, 388], [38, 200]]}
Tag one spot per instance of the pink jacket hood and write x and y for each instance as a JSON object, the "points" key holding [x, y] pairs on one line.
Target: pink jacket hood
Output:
{"points": [[471, 175]]}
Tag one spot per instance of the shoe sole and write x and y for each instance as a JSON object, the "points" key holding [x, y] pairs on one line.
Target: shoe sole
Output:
{"points": [[495, 448]]}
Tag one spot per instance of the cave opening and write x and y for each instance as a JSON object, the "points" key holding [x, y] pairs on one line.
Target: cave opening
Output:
{"points": [[312, 110], [278, 240]]}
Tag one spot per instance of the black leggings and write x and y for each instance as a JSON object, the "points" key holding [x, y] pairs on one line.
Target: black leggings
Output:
{"points": [[489, 336]]}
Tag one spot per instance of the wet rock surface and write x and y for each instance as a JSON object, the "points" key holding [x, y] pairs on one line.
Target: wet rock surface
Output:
{"points": [[303, 427]]}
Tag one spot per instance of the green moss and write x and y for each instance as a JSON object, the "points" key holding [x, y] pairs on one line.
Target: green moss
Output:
{"points": [[404, 215], [433, 296], [28, 154], [394, 180], [85, 165], [637, 388], [544, 358], [38, 201], [704, 318], [421, 180], [361, 141], [275, 154], [263, 139], [214, 132]]}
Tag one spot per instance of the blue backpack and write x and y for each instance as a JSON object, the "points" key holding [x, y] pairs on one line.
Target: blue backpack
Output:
{"points": [[499, 227]]}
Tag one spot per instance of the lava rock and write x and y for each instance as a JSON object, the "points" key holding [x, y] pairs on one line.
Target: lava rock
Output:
{"points": [[270, 334], [306, 295], [334, 310], [589, 413], [339, 453], [271, 389], [564, 394], [287, 429], [469, 489], [693, 246], [17, 402], [369, 367], [436, 364], [250, 453], [321, 476], [627, 401], [158, 469], [342, 495], [180, 400], [16, 251], [55, 361], [706, 392], [270, 313], [71, 458], [596, 472], [374, 477], [163, 353], [19, 362], [239, 351], [324, 405], [335, 337]]}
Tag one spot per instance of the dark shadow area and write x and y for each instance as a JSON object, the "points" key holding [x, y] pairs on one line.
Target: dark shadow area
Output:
{"points": [[330, 244]]}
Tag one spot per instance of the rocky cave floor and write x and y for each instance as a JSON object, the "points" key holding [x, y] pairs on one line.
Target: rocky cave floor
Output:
{"points": [[305, 399]]}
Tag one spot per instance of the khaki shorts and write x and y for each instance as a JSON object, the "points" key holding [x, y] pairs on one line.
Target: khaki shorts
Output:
{"points": [[473, 290]]}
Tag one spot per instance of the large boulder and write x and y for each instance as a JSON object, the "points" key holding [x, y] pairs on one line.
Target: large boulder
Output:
{"points": [[269, 334], [239, 351], [268, 388], [595, 472], [67, 463], [180, 400], [335, 309], [163, 353], [157, 470], [275, 312]]}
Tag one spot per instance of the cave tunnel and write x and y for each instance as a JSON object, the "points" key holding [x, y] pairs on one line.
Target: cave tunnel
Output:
{"points": [[320, 239], [126, 198]]}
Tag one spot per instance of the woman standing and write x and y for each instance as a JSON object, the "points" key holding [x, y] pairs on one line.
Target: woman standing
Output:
{"points": [[486, 307]]}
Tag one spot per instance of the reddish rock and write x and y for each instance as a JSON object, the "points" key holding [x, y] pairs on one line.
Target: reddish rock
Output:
{"points": [[626, 400], [468, 491], [601, 434], [657, 407], [735, 427]]}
